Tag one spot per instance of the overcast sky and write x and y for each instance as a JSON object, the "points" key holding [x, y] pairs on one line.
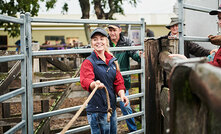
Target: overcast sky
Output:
{"points": [[143, 6]]}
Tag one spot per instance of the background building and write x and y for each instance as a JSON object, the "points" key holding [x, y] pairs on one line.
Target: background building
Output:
{"points": [[69, 33]]}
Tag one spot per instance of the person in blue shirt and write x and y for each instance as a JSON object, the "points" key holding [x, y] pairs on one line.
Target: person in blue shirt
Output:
{"points": [[18, 44]]}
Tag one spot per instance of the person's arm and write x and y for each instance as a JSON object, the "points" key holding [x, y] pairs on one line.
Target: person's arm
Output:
{"points": [[178, 56], [86, 75], [119, 83], [196, 50], [124, 99], [120, 88], [135, 55]]}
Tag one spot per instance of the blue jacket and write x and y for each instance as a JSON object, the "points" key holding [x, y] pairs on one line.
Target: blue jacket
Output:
{"points": [[106, 74]]}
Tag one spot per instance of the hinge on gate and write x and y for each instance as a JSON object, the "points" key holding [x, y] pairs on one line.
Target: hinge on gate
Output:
{"points": [[26, 41]]}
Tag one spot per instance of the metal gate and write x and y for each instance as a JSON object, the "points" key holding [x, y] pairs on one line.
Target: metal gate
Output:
{"points": [[27, 54], [195, 24]]}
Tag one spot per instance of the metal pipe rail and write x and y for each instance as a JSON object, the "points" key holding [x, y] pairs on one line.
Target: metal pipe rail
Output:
{"points": [[80, 51], [12, 58], [55, 82], [198, 39], [77, 130], [130, 115], [16, 127], [196, 8], [84, 21], [56, 112], [11, 19], [12, 94], [141, 131], [87, 127]]}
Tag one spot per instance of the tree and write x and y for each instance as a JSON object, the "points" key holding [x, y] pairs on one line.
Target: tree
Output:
{"points": [[85, 10], [100, 6], [104, 9], [112, 7], [11, 8], [15, 7]]}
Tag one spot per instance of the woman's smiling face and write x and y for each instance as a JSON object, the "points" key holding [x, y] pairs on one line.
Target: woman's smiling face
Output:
{"points": [[99, 42]]}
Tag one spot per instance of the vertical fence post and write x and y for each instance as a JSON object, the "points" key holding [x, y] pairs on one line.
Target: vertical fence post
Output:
{"points": [[29, 74], [23, 72], [152, 102], [181, 39], [143, 75]]}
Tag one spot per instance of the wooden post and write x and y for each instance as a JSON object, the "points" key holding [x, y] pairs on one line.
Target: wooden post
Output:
{"points": [[6, 114], [195, 103], [156, 78], [168, 46], [185, 115], [3, 65], [152, 107], [44, 103], [205, 82]]}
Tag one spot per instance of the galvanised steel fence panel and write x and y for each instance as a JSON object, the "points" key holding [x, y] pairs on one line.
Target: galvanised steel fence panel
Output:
{"points": [[21, 91], [195, 23], [27, 84], [77, 51]]}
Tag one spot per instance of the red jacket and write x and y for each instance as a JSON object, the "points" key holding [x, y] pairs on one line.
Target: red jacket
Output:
{"points": [[87, 75], [217, 58]]}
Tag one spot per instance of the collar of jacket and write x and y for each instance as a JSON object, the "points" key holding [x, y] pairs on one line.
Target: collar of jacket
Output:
{"points": [[119, 41], [108, 56]]}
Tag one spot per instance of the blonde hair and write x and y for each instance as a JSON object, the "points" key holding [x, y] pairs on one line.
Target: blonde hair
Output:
{"points": [[107, 50]]}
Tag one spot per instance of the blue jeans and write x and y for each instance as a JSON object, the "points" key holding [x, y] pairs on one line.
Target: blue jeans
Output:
{"points": [[127, 110], [99, 125]]}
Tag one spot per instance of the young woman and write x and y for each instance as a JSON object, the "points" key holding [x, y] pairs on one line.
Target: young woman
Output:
{"points": [[102, 69]]}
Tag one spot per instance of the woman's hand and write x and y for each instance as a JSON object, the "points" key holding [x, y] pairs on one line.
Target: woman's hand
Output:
{"points": [[123, 97], [97, 82]]}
